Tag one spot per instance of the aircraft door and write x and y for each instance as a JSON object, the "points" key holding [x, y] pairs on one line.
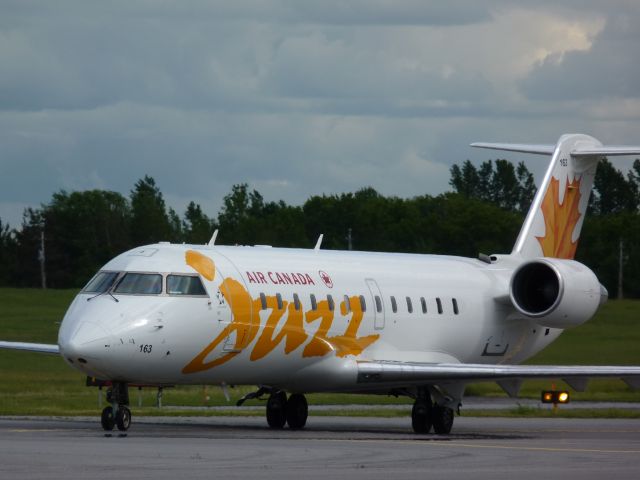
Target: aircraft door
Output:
{"points": [[230, 302], [378, 303], [237, 299]]}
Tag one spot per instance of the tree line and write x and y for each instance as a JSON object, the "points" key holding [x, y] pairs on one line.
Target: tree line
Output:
{"points": [[81, 231]]}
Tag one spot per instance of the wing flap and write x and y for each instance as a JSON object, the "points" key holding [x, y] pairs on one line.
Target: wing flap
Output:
{"points": [[406, 373], [31, 347]]}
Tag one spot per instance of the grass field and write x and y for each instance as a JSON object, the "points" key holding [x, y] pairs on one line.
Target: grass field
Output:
{"points": [[32, 384]]}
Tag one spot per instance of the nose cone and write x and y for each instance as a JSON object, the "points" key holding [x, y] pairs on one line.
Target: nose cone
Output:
{"points": [[604, 295], [89, 341], [84, 341]]}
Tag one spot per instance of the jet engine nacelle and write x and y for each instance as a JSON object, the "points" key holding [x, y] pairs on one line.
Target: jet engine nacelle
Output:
{"points": [[556, 293]]}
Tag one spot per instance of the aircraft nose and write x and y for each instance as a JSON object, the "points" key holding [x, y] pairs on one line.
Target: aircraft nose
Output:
{"points": [[88, 344]]}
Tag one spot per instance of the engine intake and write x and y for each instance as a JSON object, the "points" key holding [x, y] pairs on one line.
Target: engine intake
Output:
{"points": [[555, 293]]}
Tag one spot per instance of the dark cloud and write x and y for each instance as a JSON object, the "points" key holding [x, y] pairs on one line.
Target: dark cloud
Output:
{"points": [[295, 98]]}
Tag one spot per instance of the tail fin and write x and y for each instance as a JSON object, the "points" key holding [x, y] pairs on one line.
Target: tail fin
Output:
{"points": [[553, 224]]}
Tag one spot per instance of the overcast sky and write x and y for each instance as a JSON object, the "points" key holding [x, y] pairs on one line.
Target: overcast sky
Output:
{"points": [[299, 97]]}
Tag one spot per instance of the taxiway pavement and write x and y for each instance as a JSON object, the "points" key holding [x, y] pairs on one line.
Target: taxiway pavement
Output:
{"points": [[330, 447]]}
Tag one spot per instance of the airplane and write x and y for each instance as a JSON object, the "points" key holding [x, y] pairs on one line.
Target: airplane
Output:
{"points": [[299, 321]]}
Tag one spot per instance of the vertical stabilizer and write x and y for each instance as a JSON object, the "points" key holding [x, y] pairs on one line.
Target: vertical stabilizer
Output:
{"points": [[553, 224]]}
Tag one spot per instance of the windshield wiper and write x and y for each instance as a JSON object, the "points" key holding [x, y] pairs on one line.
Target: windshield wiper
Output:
{"points": [[102, 293]]}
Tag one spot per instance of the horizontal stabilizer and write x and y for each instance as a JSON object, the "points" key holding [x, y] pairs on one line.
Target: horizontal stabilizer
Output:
{"points": [[517, 147], [606, 151], [31, 347]]}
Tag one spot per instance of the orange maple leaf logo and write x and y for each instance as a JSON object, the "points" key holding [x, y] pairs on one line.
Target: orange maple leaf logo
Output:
{"points": [[560, 220]]}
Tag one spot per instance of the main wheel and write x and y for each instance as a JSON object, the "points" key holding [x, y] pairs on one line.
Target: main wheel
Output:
{"points": [[421, 416], [123, 418], [297, 411], [277, 410], [106, 419], [442, 420]]}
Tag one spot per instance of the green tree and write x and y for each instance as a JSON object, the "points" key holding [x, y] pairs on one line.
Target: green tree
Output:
{"points": [[527, 188], [7, 253], [196, 226], [612, 192], [501, 183], [83, 230], [150, 222]]}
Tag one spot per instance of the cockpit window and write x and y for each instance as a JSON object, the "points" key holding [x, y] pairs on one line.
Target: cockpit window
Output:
{"points": [[140, 284], [101, 282], [185, 285]]}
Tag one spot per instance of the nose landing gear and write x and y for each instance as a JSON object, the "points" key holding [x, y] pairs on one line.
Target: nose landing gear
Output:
{"points": [[117, 414]]}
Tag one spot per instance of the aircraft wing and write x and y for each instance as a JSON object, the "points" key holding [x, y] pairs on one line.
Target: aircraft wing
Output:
{"points": [[508, 376], [31, 347]]}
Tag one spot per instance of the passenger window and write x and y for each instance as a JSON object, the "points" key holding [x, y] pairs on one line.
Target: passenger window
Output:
{"points": [[394, 305], [296, 301], [279, 301], [140, 284], [185, 285], [101, 282], [378, 304], [263, 301], [439, 304], [363, 305], [330, 302], [409, 305], [423, 302], [347, 304], [314, 305], [455, 306]]}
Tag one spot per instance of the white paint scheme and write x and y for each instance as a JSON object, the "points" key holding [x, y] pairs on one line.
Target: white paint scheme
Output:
{"points": [[485, 340]]}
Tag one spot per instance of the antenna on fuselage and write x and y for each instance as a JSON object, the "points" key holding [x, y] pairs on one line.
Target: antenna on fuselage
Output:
{"points": [[212, 242], [318, 243]]}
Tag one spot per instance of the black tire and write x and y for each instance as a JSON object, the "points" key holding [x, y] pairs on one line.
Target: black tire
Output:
{"points": [[297, 411], [277, 410], [442, 420], [421, 416], [107, 420], [123, 418]]}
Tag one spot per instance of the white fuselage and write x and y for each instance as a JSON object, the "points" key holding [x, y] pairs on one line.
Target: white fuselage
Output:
{"points": [[296, 319]]}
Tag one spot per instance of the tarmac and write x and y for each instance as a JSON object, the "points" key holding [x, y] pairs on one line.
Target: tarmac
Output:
{"points": [[329, 447]]}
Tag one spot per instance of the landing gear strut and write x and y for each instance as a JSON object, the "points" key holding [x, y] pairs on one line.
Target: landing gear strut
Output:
{"points": [[281, 411], [117, 414], [424, 415]]}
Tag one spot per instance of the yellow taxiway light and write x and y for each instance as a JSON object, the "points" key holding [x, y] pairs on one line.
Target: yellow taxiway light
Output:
{"points": [[554, 396]]}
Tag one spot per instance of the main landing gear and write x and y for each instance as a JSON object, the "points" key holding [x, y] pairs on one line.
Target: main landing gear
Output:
{"points": [[280, 410], [426, 415], [117, 414], [292, 411]]}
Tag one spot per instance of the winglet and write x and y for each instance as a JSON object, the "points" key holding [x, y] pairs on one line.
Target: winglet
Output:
{"points": [[319, 242]]}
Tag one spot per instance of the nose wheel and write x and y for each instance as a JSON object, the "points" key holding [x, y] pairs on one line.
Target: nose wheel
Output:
{"points": [[117, 414]]}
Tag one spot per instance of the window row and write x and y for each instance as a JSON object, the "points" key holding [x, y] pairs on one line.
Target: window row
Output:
{"points": [[314, 302], [133, 283], [423, 305], [363, 304]]}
